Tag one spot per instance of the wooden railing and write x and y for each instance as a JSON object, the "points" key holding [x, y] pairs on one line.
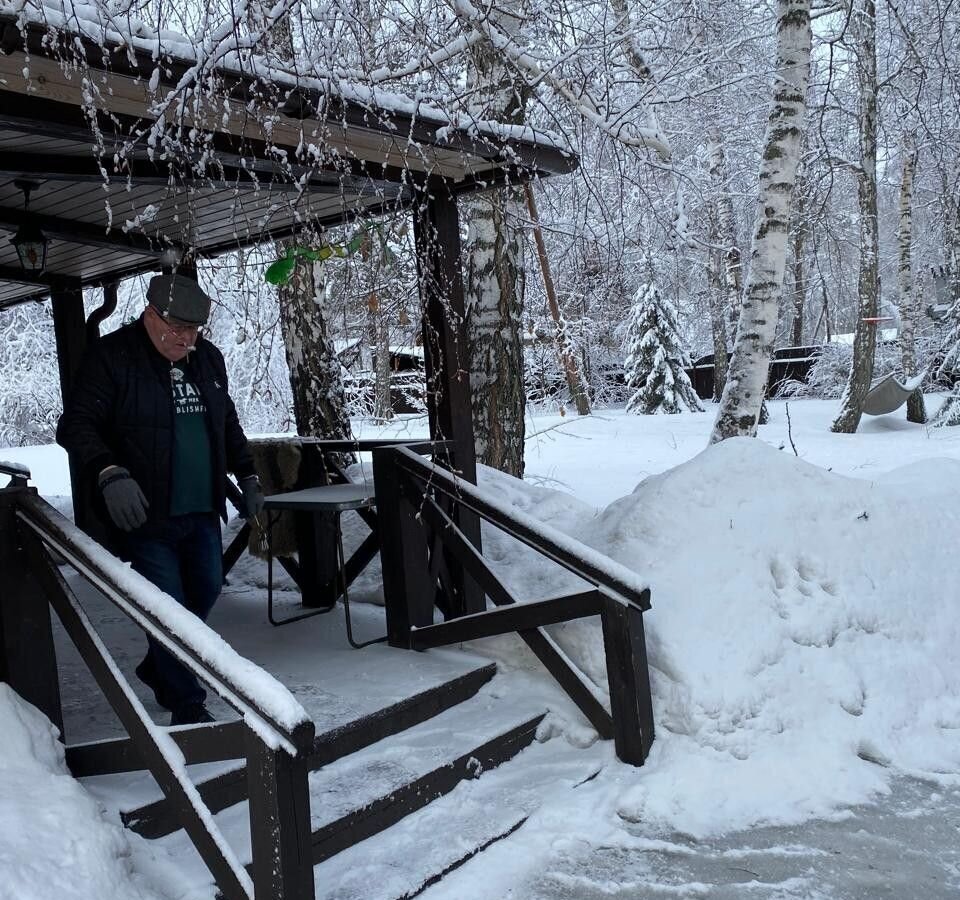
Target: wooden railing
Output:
{"points": [[425, 515], [274, 733]]}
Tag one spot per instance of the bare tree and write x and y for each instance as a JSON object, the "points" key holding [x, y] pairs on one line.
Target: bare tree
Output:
{"points": [[864, 24]]}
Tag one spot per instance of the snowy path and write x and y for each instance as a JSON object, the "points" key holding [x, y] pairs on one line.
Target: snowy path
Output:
{"points": [[905, 847]]}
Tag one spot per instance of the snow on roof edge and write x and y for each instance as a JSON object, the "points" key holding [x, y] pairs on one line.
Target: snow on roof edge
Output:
{"points": [[86, 20]]}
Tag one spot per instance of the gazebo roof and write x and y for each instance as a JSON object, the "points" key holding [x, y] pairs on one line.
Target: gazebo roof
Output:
{"points": [[85, 114]]}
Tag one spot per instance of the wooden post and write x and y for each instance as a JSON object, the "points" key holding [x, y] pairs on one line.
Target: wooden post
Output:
{"points": [[28, 662], [280, 830], [437, 234], [629, 680], [446, 359], [407, 591], [70, 330]]}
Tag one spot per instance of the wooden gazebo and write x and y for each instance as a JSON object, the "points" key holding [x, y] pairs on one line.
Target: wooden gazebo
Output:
{"points": [[129, 175], [248, 162]]}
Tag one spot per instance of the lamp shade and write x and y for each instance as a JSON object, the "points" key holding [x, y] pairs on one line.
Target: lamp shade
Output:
{"points": [[31, 245]]}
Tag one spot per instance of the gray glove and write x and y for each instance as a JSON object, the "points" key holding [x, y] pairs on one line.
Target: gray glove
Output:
{"points": [[252, 497], [124, 499]]}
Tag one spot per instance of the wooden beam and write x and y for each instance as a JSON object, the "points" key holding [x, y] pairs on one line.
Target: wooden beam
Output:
{"points": [[84, 170], [506, 619], [539, 642], [446, 351], [158, 819], [70, 331], [45, 281], [127, 69], [87, 233], [446, 356], [200, 744]]}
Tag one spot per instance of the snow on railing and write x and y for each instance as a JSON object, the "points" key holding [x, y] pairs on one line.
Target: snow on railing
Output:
{"points": [[585, 562], [267, 707]]}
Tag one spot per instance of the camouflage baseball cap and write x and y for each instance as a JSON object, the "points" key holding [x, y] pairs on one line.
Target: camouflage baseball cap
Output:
{"points": [[178, 297]]}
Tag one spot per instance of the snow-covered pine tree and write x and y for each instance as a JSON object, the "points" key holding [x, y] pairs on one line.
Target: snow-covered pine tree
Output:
{"points": [[655, 357]]}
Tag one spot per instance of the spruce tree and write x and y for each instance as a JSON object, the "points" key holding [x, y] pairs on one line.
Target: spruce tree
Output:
{"points": [[655, 357]]}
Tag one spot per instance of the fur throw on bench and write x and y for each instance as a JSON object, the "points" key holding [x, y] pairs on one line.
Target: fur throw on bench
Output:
{"points": [[277, 461]]}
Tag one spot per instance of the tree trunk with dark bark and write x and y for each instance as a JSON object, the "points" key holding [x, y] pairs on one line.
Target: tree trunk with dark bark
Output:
{"points": [[568, 359], [865, 334], [319, 404], [799, 273], [909, 301]]}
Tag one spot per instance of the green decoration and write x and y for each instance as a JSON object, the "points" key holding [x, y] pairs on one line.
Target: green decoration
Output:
{"points": [[281, 271]]}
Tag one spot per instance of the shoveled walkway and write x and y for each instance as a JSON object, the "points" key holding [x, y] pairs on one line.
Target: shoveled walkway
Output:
{"points": [[904, 847]]}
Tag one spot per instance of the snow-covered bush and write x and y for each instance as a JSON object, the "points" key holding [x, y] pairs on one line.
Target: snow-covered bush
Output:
{"points": [[30, 399]]}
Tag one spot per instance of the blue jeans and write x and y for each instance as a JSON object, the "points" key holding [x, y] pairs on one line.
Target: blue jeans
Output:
{"points": [[183, 556]]}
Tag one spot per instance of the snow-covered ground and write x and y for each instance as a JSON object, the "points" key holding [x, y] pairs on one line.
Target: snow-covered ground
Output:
{"points": [[803, 641]]}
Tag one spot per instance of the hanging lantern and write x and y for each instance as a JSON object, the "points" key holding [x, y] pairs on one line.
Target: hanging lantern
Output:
{"points": [[29, 241]]}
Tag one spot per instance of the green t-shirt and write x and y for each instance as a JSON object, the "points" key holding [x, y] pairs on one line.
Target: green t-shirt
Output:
{"points": [[191, 489]]}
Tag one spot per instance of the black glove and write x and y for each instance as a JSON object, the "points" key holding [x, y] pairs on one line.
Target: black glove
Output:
{"points": [[252, 497], [124, 499]]}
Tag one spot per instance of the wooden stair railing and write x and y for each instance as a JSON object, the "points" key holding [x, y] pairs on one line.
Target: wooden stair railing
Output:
{"points": [[277, 734], [423, 549]]}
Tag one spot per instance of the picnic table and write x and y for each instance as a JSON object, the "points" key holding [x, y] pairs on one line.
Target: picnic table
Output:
{"points": [[319, 570]]}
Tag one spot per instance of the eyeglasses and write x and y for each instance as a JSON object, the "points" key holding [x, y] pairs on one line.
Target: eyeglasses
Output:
{"points": [[178, 330]]}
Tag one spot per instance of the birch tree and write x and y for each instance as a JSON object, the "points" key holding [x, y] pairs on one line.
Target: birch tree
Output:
{"points": [[493, 276], [743, 395], [864, 24], [908, 300]]}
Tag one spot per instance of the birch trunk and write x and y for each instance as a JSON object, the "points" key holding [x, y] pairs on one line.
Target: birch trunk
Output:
{"points": [[493, 276], [319, 405], [749, 366], [908, 300], [865, 333]]}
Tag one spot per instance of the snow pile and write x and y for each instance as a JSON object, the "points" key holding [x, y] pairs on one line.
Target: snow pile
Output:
{"points": [[54, 841], [804, 633]]}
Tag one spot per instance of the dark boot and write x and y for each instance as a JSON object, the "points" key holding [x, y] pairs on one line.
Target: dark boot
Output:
{"points": [[148, 674], [191, 714]]}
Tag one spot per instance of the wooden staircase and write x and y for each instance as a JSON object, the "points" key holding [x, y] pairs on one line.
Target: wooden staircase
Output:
{"points": [[446, 743]]}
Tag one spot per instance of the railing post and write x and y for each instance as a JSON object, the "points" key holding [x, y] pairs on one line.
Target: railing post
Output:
{"points": [[630, 704], [28, 661], [407, 591], [280, 831]]}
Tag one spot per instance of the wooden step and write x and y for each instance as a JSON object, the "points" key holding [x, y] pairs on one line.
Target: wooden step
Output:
{"points": [[157, 819], [440, 837], [384, 812]]}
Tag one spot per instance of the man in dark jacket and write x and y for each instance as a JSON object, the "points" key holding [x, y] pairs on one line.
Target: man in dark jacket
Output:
{"points": [[150, 423]]}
